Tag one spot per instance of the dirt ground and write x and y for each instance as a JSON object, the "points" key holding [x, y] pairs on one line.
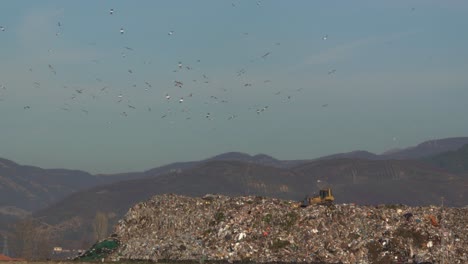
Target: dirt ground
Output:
{"points": [[60, 262]]}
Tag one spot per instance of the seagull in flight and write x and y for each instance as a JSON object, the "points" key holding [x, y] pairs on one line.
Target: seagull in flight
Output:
{"points": [[266, 54]]}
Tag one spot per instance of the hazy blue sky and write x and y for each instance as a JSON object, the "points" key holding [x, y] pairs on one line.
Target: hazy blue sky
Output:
{"points": [[324, 77]]}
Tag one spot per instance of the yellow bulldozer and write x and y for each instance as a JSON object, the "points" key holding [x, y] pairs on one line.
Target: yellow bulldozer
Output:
{"points": [[325, 197]]}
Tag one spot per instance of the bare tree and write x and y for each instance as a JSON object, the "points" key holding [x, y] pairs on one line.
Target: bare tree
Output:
{"points": [[31, 240], [100, 225], [22, 238]]}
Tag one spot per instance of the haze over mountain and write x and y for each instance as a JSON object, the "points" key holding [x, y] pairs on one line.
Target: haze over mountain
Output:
{"points": [[455, 161], [357, 176], [30, 188], [25, 189], [427, 148]]}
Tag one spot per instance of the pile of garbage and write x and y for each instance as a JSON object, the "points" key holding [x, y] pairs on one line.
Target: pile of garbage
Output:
{"points": [[259, 229]]}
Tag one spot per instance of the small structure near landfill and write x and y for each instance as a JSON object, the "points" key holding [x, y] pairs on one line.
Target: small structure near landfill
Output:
{"points": [[259, 229]]}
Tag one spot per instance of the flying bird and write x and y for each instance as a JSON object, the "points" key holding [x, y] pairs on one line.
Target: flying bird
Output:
{"points": [[266, 54], [178, 84]]}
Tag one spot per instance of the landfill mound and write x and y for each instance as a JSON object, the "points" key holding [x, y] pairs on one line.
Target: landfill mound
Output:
{"points": [[259, 229]]}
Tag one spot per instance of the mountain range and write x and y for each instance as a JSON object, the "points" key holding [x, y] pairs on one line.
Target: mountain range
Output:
{"points": [[418, 175]]}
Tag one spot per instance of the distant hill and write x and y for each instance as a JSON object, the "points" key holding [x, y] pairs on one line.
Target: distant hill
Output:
{"points": [[227, 177], [31, 188], [358, 154], [353, 181], [423, 150], [453, 161], [27, 188], [427, 148], [261, 159], [387, 181], [24, 189]]}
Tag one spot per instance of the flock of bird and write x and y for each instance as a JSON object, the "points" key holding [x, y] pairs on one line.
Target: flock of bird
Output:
{"points": [[181, 96]]}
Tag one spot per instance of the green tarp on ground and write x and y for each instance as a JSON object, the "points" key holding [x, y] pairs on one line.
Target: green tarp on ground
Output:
{"points": [[99, 250]]}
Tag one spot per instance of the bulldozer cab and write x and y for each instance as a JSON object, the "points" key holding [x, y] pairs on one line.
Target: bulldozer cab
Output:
{"points": [[325, 194]]}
